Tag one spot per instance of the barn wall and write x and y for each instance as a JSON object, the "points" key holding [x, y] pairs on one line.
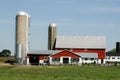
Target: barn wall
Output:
{"points": [[41, 57], [101, 52]]}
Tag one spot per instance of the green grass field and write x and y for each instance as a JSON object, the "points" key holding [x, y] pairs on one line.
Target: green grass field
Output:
{"points": [[59, 73]]}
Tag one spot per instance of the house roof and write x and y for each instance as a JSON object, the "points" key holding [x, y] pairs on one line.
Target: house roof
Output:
{"points": [[88, 55], [89, 42], [112, 54]]}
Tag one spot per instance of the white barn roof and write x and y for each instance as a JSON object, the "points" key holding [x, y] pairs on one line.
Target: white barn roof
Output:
{"points": [[88, 42]]}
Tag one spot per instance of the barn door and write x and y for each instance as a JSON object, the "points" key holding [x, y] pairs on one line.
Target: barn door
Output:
{"points": [[34, 60], [65, 60]]}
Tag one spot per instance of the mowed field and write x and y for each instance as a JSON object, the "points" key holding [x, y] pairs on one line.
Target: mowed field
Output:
{"points": [[59, 73]]}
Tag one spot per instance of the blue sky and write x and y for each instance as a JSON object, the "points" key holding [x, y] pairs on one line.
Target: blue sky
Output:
{"points": [[73, 17]]}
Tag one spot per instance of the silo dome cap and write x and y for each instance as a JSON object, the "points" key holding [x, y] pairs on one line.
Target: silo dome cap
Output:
{"points": [[23, 13], [52, 25]]}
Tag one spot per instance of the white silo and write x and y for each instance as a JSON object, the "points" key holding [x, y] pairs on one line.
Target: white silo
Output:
{"points": [[22, 36], [52, 32]]}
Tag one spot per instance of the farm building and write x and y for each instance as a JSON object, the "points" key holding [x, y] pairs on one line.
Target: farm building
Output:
{"points": [[61, 49], [84, 49], [70, 49], [57, 57], [94, 44], [85, 44], [112, 57]]}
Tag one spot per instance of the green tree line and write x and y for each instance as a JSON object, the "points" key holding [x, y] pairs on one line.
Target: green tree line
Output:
{"points": [[113, 50]]}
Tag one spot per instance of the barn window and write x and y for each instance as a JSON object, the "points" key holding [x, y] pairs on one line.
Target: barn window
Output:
{"points": [[74, 59], [113, 57], [45, 57], [86, 58], [92, 58], [55, 59]]}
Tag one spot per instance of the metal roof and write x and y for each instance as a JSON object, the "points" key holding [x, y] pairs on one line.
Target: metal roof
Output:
{"points": [[23, 13], [96, 42], [52, 25], [88, 55], [47, 52], [52, 52]]}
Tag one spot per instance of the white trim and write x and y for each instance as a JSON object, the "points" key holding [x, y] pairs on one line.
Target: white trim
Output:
{"points": [[112, 59]]}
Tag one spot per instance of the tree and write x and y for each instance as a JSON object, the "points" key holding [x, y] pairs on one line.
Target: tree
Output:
{"points": [[5, 53], [113, 50]]}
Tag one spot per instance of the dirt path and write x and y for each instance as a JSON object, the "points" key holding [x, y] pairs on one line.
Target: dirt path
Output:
{"points": [[5, 64]]}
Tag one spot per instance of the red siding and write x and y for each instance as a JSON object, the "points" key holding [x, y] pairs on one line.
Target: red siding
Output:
{"points": [[101, 52], [41, 57], [65, 53]]}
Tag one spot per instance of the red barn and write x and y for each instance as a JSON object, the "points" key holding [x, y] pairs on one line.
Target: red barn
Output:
{"points": [[73, 50], [81, 49], [88, 44]]}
